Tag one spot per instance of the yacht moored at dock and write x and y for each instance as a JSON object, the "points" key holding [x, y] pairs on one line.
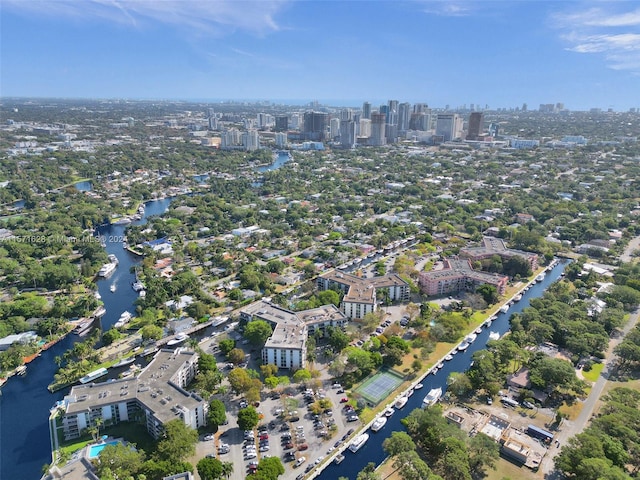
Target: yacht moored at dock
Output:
{"points": [[359, 442], [178, 339], [123, 320], [504, 308], [432, 397], [401, 402], [124, 362], [90, 377], [106, 270], [378, 423]]}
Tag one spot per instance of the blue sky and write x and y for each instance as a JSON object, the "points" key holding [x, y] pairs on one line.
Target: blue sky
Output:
{"points": [[496, 53]]}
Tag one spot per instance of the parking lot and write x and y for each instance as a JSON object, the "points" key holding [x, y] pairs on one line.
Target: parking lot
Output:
{"points": [[288, 427]]}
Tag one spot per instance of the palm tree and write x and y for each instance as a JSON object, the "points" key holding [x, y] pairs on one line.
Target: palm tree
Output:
{"points": [[227, 469]]}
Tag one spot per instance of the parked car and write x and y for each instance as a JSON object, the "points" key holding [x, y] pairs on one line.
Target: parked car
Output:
{"points": [[295, 419], [528, 405], [300, 461], [352, 418], [208, 437], [303, 446]]}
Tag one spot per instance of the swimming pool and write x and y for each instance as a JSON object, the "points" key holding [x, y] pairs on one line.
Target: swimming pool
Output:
{"points": [[94, 450]]}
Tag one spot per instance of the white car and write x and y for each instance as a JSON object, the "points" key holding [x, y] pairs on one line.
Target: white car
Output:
{"points": [[251, 455], [300, 461], [208, 437]]}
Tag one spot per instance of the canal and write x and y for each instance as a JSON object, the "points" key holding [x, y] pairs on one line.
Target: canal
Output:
{"points": [[25, 401], [372, 451]]}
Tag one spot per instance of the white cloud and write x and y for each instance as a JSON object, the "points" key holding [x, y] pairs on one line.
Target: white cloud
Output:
{"points": [[447, 8], [213, 17], [614, 35]]}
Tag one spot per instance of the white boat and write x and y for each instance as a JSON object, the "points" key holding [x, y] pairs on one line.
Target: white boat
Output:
{"points": [[90, 377], [106, 269], [409, 392], [83, 327], [463, 346], [478, 330], [504, 308], [401, 402], [100, 311], [389, 411], [339, 458], [21, 370], [142, 293], [494, 336], [540, 277], [123, 320], [137, 286], [178, 339], [112, 288], [517, 298], [113, 259], [440, 365], [124, 362], [432, 397], [471, 338], [418, 386], [378, 424], [448, 357], [359, 442]]}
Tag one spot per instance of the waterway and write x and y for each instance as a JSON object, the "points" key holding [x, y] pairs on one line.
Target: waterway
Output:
{"points": [[372, 451], [25, 401]]}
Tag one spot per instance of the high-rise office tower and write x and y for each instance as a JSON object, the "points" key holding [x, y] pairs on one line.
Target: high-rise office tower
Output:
{"points": [[365, 127], [404, 115], [392, 112], [281, 139], [315, 126], [346, 114], [348, 134], [334, 128], [366, 110], [251, 140], [378, 124], [282, 123], [420, 108], [476, 125], [449, 126], [420, 121]]}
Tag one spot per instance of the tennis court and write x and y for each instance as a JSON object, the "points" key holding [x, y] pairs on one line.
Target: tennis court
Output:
{"points": [[379, 386]]}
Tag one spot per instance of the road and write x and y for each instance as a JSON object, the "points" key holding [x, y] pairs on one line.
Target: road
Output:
{"points": [[572, 428], [633, 245]]}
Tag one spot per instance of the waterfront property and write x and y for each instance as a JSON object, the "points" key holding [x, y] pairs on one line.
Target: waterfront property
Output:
{"points": [[495, 246], [155, 397], [287, 345], [361, 294], [458, 276]]}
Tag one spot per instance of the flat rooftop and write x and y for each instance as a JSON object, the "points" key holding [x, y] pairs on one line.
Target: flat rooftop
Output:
{"points": [[158, 387]]}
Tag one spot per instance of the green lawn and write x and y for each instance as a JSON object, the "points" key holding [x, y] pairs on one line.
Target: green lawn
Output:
{"points": [[594, 373], [131, 432]]}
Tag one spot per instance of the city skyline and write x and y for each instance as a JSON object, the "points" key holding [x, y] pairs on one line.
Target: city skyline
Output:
{"points": [[500, 54]]}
